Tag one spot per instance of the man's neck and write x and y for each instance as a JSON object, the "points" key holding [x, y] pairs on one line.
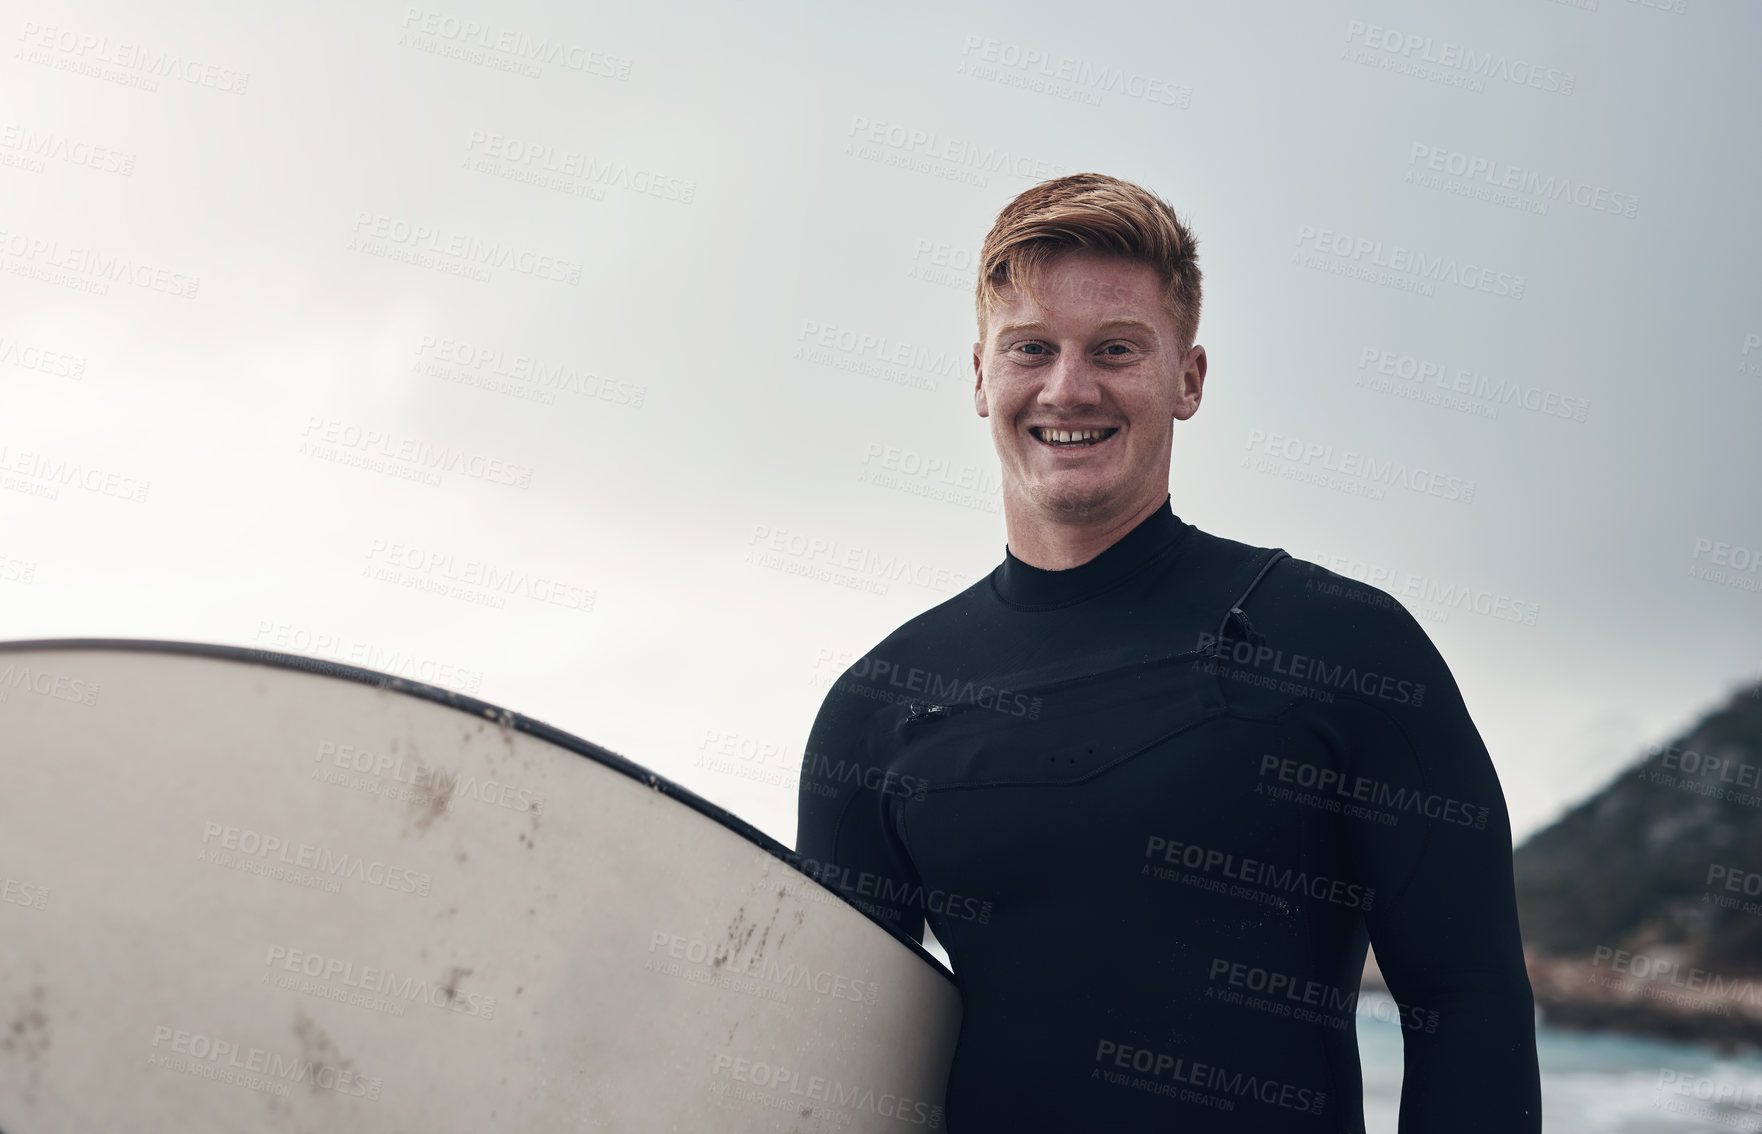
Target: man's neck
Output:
{"points": [[1059, 547]]}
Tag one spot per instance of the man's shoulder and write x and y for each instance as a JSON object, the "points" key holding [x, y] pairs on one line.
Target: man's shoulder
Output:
{"points": [[1328, 592], [1331, 604], [882, 674], [1347, 635], [926, 632]]}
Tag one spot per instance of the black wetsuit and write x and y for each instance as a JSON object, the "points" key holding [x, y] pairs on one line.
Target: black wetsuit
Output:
{"points": [[1153, 832]]}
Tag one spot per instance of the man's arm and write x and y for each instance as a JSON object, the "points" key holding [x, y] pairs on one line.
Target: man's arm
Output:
{"points": [[844, 826], [1445, 929]]}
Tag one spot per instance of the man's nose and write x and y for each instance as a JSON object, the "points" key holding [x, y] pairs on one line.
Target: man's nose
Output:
{"points": [[1070, 381]]}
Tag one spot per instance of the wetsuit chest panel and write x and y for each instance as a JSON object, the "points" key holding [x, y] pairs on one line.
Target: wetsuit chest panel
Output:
{"points": [[1168, 872], [1080, 727], [1160, 837]]}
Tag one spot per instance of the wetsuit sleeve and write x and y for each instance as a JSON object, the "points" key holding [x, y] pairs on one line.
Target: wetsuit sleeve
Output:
{"points": [[1445, 931], [845, 828]]}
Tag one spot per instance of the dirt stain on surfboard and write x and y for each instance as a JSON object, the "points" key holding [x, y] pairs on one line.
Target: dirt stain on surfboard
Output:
{"points": [[449, 984], [318, 1049], [425, 808], [28, 1036], [741, 930]]}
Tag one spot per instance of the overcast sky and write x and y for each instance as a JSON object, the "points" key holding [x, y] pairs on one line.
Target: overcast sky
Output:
{"points": [[646, 330]]}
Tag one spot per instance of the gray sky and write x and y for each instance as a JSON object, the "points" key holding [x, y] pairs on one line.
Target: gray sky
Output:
{"points": [[646, 331]]}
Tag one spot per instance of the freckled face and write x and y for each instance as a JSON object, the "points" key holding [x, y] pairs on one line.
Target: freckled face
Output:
{"points": [[1082, 390]]}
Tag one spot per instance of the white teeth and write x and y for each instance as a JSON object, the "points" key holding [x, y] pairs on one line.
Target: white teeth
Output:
{"points": [[1066, 436]]}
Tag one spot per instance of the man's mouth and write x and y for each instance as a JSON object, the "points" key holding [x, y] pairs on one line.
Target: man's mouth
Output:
{"points": [[1070, 438]]}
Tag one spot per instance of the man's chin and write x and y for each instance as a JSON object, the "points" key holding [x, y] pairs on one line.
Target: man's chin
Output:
{"points": [[1075, 503]]}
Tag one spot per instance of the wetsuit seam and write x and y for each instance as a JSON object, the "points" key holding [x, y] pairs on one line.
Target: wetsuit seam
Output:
{"points": [[1087, 776], [895, 833], [1227, 714], [1272, 556]]}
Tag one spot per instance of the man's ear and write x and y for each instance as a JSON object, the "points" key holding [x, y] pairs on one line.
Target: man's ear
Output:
{"points": [[1192, 380], [979, 402]]}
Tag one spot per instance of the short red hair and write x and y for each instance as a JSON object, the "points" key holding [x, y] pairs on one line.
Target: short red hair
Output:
{"points": [[1096, 212]]}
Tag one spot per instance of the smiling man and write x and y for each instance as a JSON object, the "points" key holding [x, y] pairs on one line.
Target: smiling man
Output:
{"points": [[1166, 785]]}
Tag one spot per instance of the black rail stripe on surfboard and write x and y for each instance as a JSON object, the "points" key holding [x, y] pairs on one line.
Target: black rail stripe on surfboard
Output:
{"points": [[497, 714]]}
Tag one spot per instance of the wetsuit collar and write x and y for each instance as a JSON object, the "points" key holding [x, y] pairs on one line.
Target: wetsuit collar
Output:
{"points": [[1022, 584]]}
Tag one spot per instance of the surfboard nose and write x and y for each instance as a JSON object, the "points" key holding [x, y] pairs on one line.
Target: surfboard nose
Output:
{"points": [[247, 890]]}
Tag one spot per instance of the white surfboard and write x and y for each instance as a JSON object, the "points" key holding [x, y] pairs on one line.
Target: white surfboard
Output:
{"points": [[249, 891]]}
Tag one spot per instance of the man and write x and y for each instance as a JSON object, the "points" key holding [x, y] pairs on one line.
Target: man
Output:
{"points": [[1166, 785]]}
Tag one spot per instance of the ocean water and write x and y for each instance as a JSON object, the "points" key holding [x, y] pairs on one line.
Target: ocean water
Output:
{"points": [[1592, 1082]]}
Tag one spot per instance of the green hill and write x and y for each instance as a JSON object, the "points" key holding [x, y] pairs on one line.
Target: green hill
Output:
{"points": [[1667, 857]]}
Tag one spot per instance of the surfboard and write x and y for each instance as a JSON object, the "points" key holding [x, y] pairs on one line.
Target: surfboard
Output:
{"points": [[251, 890]]}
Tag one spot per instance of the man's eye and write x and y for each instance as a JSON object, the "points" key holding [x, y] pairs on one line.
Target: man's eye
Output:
{"points": [[1029, 346], [1121, 346]]}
